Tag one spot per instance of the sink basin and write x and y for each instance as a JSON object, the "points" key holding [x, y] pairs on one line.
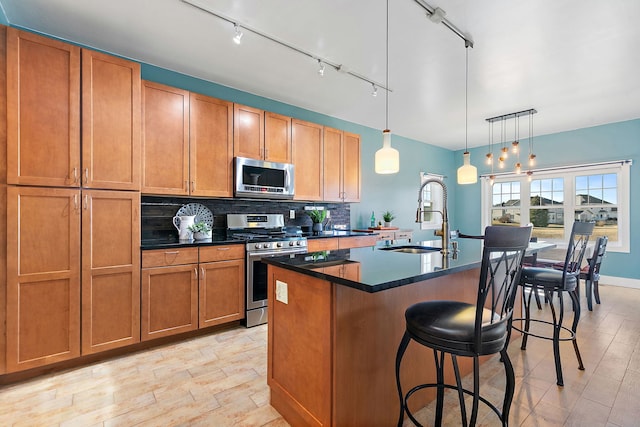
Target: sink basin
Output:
{"points": [[411, 249]]}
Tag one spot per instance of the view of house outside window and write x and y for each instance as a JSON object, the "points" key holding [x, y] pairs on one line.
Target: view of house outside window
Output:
{"points": [[553, 201]]}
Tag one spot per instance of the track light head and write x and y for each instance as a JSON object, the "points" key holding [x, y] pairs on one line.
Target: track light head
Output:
{"points": [[237, 38], [374, 92], [320, 68]]}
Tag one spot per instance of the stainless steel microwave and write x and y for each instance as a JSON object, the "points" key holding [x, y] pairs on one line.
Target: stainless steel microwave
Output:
{"points": [[262, 179]]}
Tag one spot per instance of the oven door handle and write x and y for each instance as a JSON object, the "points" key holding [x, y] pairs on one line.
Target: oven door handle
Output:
{"points": [[266, 254]]}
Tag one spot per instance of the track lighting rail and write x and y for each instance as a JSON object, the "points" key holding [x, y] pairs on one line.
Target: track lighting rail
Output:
{"points": [[338, 67], [437, 15]]}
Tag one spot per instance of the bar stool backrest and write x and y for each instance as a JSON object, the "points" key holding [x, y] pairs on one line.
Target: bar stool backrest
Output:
{"points": [[580, 233], [596, 259], [504, 249]]}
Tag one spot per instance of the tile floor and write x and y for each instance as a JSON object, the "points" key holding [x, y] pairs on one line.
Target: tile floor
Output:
{"points": [[220, 380]]}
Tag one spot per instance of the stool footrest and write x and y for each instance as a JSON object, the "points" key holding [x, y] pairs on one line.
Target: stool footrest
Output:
{"points": [[571, 336], [451, 387]]}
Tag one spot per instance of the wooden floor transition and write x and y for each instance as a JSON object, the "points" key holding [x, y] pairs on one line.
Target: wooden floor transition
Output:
{"points": [[220, 380]]}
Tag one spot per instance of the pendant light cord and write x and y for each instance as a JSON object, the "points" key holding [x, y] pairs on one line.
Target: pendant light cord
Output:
{"points": [[386, 112], [466, 98]]}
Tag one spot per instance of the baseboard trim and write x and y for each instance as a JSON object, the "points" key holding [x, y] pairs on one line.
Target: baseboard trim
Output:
{"points": [[620, 281]]}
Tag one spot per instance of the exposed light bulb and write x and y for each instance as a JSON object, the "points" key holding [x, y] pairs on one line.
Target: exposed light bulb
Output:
{"points": [[320, 68], [505, 153], [489, 158], [237, 38], [518, 168], [529, 175], [515, 147], [501, 162], [532, 159], [492, 179]]}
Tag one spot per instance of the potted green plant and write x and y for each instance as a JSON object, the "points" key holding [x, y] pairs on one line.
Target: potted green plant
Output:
{"points": [[317, 217], [201, 230], [388, 216]]}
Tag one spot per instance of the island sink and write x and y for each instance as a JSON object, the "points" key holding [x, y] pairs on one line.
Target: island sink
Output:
{"points": [[411, 249]]}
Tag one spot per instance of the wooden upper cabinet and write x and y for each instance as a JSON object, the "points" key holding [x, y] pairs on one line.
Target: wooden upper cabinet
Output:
{"points": [[277, 138], [110, 269], [43, 111], [341, 166], [165, 139], [333, 167], [307, 152], [211, 146], [111, 122], [43, 276], [351, 168], [248, 132]]}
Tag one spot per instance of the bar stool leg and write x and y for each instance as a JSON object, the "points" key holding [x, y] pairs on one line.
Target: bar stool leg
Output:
{"points": [[596, 291], [401, 349], [574, 327], [510, 386], [527, 319], [440, 387], [557, 327], [456, 370], [588, 291]]}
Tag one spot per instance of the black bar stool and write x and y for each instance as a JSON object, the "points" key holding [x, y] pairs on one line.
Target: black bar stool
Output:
{"points": [[553, 281], [591, 272], [472, 330]]}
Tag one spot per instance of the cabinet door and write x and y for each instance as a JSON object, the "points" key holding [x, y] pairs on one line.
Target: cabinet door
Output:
{"points": [[43, 276], [211, 146], [277, 138], [351, 169], [248, 132], [43, 110], [165, 139], [110, 269], [222, 290], [333, 164], [306, 149], [169, 301], [111, 122]]}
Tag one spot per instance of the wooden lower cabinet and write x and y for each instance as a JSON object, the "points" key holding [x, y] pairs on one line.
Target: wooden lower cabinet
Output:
{"points": [[110, 270], [221, 284], [43, 276], [169, 292]]}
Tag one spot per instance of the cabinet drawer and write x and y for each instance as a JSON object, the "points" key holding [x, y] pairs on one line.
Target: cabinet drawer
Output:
{"points": [[403, 235], [328, 244], [221, 253], [357, 242], [166, 257], [386, 235]]}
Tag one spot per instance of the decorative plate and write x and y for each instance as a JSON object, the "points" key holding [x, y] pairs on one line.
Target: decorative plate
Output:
{"points": [[202, 213]]}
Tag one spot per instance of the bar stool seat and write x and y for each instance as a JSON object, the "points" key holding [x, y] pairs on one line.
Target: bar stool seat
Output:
{"points": [[464, 329]]}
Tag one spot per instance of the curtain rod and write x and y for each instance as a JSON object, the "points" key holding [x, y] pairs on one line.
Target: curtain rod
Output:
{"points": [[561, 168]]}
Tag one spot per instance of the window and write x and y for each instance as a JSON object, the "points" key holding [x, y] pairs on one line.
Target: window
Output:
{"points": [[554, 199], [432, 198]]}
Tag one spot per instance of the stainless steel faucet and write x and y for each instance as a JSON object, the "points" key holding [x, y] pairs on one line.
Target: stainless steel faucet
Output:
{"points": [[444, 230]]}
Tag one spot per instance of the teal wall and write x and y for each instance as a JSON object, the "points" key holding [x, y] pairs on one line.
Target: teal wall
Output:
{"points": [[614, 141]]}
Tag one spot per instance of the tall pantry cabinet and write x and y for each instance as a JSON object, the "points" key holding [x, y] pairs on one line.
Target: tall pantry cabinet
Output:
{"points": [[73, 227]]}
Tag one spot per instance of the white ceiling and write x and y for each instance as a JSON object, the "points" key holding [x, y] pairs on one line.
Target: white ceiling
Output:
{"points": [[576, 61]]}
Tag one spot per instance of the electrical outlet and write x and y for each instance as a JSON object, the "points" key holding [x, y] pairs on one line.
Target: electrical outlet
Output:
{"points": [[282, 293], [292, 214]]}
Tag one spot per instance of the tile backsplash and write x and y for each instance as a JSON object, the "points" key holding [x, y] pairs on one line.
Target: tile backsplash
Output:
{"points": [[158, 212]]}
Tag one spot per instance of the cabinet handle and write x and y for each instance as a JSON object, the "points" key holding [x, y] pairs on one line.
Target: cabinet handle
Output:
{"points": [[86, 175], [195, 270], [75, 202], [171, 252], [202, 273], [223, 249], [75, 175], [86, 202], [193, 186]]}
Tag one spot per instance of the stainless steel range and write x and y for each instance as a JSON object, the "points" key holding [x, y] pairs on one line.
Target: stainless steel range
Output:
{"points": [[266, 237]]}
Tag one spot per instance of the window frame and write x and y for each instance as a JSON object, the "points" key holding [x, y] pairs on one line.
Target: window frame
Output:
{"points": [[621, 169]]}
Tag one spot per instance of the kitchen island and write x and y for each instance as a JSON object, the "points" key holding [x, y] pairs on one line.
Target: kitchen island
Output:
{"points": [[336, 320]]}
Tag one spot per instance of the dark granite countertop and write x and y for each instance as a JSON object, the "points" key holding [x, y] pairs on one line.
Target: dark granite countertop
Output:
{"points": [[382, 269]]}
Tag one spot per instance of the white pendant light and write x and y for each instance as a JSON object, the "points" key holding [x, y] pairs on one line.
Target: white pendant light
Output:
{"points": [[467, 173], [387, 159]]}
